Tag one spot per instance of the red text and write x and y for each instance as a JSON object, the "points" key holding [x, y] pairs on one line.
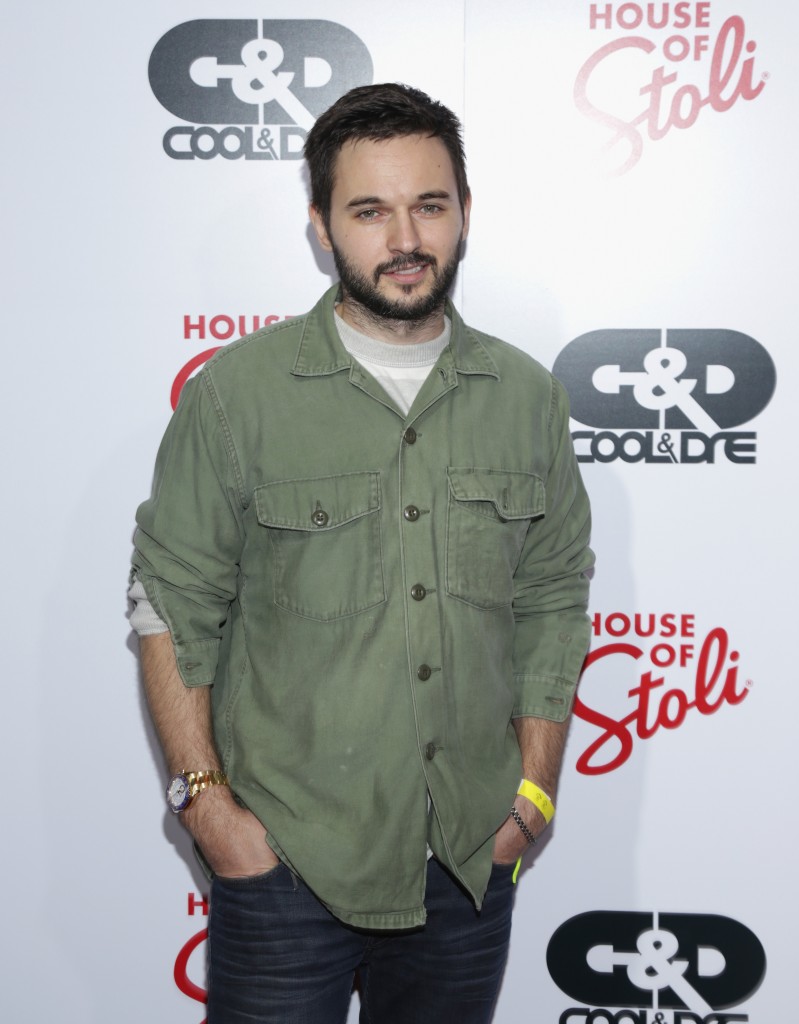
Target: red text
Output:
{"points": [[667, 104], [198, 904], [655, 707], [181, 972], [222, 328], [632, 16]]}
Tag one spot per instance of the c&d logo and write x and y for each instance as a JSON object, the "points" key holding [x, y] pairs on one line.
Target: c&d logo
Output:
{"points": [[265, 81], [689, 965], [669, 396]]}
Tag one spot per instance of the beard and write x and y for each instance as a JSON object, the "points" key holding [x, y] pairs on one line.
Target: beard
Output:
{"points": [[358, 288]]}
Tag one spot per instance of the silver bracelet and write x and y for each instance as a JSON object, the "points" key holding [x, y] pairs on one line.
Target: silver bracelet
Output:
{"points": [[528, 835]]}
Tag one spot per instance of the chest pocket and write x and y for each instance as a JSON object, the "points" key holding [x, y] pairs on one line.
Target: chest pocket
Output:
{"points": [[325, 533], [488, 517]]}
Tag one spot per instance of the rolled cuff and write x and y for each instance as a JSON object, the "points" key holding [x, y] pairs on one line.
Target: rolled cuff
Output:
{"points": [[197, 657], [197, 661], [540, 696]]}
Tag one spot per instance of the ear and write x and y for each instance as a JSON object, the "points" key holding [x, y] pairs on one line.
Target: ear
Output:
{"points": [[320, 228], [467, 209]]}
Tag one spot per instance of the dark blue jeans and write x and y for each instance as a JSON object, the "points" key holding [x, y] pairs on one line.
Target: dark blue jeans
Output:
{"points": [[277, 956]]}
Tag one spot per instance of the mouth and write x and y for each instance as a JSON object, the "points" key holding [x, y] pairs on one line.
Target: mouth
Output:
{"points": [[406, 273]]}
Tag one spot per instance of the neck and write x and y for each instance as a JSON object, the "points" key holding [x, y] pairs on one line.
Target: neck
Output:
{"points": [[395, 332]]}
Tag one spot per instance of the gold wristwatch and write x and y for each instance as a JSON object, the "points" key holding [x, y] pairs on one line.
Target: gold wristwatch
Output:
{"points": [[185, 786]]}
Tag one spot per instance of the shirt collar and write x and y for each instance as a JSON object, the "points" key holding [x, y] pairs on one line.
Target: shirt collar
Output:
{"points": [[321, 351]]}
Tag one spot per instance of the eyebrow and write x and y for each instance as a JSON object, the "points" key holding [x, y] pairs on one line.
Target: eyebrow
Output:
{"points": [[377, 201]]}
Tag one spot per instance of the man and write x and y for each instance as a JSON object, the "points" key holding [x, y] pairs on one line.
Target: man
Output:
{"points": [[362, 588]]}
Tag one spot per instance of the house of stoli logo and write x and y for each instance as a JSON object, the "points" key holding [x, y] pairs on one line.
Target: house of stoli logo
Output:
{"points": [[666, 968], [666, 666], [265, 82], [666, 396], [669, 66]]}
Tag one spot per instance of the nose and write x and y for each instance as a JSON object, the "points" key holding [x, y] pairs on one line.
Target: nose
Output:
{"points": [[403, 234]]}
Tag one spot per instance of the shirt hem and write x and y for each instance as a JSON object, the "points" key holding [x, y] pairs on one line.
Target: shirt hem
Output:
{"points": [[399, 920]]}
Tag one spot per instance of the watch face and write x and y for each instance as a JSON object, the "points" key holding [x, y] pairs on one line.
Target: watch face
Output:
{"points": [[177, 793]]}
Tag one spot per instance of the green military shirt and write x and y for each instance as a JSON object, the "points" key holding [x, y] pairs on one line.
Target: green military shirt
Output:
{"points": [[373, 597]]}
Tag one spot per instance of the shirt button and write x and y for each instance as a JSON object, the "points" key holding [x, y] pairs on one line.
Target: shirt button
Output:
{"points": [[411, 513], [430, 751], [410, 436], [418, 593], [424, 672], [320, 517]]}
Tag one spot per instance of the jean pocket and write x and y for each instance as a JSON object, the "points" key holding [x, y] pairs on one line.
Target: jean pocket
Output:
{"points": [[325, 534], [501, 868], [488, 516], [250, 881]]}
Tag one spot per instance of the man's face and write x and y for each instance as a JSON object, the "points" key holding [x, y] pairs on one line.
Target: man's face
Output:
{"points": [[395, 226]]}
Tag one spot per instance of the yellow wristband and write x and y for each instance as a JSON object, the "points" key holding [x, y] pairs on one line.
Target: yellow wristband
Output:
{"points": [[538, 797]]}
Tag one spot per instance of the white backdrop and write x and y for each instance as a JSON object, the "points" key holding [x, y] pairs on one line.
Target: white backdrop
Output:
{"points": [[111, 247]]}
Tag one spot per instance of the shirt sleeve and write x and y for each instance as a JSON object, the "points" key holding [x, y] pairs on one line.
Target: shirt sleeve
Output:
{"points": [[189, 533], [551, 584]]}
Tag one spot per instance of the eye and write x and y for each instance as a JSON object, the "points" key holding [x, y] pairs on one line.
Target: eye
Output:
{"points": [[429, 209], [367, 214]]}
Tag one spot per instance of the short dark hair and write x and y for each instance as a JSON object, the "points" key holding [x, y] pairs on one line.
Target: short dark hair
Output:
{"points": [[379, 112]]}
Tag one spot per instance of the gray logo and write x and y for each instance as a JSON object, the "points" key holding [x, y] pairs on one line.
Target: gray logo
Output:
{"points": [[651, 384], [694, 964], [266, 82]]}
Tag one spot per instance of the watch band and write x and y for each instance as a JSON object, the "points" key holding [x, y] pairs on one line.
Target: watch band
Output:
{"points": [[198, 781]]}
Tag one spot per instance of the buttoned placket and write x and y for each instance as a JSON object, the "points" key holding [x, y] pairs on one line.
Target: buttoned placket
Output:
{"points": [[421, 583], [422, 572]]}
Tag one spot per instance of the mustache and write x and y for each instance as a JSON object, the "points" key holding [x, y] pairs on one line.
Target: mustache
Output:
{"points": [[413, 259]]}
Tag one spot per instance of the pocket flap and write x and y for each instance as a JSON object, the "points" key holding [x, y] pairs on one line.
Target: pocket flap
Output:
{"points": [[514, 495], [317, 504]]}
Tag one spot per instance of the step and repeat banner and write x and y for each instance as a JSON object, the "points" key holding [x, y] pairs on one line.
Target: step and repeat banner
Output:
{"points": [[634, 227]]}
